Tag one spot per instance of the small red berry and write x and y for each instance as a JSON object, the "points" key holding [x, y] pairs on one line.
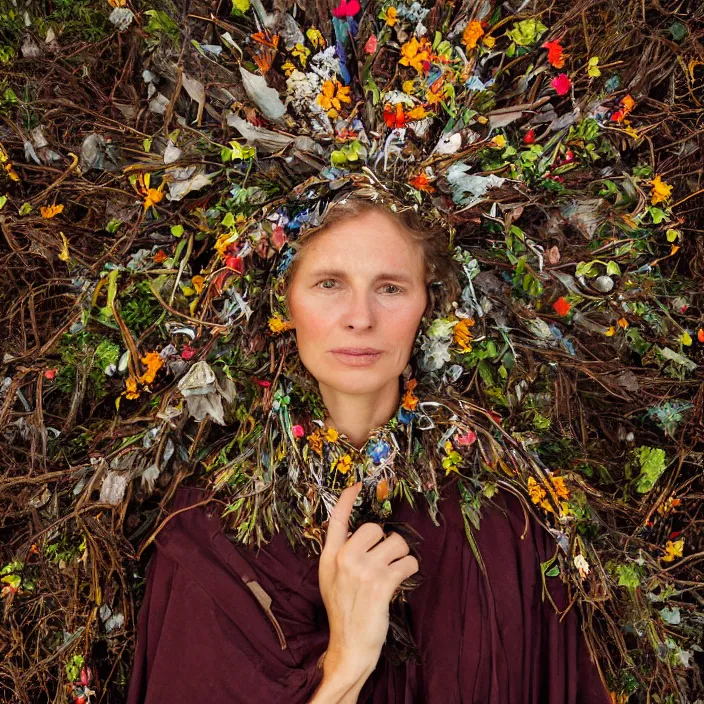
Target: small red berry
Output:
{"points": [[529, 137], [50, 373]]}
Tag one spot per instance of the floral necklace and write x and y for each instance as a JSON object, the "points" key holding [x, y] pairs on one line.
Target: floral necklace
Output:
{"points": [[290, 479]]}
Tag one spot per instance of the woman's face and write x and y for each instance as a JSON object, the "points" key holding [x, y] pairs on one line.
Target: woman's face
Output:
{"points": [[358, 287]]}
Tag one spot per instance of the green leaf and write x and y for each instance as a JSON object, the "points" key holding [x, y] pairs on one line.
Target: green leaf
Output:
{"points": [[177, 230], [613, 269], [3, 200], [240, 6], [652, 465], [25, 209], [526, 32], [553, 572], [678, 31], [585, 269], [658, 214], [628, 576], [228, 220]]}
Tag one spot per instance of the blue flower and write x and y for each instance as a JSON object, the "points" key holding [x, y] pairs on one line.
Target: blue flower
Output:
{"points": [[405, 416], [379, 451]]}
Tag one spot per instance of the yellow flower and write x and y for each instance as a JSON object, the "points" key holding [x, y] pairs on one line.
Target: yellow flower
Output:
{"points": [[301, 53], [342, 464], [418, 113], [560, 489], [535, 491], [315, 37], [593, 70], [277, 325], [498, 142], [407, 86], [661, 191], [225, 240], [390, 16], [332, 435], [610, 332], [673, 550], [131, 390], [630, 131], [461, 335], [489, 41], [666, 506], [7, 164], [151, 196], [414, 53], [51, 211], [288, 68], [332, 96], [472, 33]]}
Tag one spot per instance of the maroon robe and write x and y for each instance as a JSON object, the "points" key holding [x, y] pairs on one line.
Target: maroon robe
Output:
{"points": [[203, 635]]}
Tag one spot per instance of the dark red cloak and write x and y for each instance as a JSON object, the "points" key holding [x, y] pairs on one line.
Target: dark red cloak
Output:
{"points": [[204, 636]]}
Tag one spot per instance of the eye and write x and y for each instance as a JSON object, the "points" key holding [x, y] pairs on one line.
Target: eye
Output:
{"points": [[325, 281], [398, 289]]}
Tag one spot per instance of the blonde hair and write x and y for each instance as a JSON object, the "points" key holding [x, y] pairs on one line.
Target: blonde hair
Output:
{"points": [[441, 270]]}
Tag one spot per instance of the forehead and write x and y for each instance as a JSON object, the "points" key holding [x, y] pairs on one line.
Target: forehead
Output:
{"points": [[371, 240]]}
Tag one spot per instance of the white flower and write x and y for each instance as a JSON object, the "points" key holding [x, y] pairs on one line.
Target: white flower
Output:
{"points": [[325, 63], [580, 562], [437, 354]]}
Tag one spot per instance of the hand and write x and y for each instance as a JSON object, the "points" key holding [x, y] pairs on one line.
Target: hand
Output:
{"points": [[358, 576]]}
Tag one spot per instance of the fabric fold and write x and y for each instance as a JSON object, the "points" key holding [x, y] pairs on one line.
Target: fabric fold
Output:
{"points": [[481, 640]]}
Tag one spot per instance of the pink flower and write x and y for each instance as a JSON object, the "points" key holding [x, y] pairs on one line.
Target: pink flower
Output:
{"points": [[298, 431], [561, 84], [467, 439], [371, 45], [187, 352], [346, 9], [265, 384]]}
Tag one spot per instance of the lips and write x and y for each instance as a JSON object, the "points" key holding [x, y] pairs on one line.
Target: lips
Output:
{"points": [[357, 351]]}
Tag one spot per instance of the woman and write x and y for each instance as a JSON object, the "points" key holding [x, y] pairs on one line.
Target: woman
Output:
{"points": [[225, 621]]}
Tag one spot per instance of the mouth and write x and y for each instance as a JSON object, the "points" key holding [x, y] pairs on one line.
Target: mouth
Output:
{"points": [[356, 356]]}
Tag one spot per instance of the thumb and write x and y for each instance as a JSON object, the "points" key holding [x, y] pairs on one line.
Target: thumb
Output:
{"points": [[338, 526]]}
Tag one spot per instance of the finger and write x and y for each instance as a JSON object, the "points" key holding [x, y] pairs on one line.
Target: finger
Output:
{"points": [[405, 567], [366, 537], [338, 525], [391, 548]]}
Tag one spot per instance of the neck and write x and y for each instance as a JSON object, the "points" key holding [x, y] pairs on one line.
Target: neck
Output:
{"points": [[356, 415]]}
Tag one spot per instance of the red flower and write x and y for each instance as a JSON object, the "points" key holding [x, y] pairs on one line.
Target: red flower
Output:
{"points": [[555, 57], [529, 137], [50, 374], [561, 84], [234, 262], [298, 431], [160, 256], [371, 45], [265, 384], [561, 306], [394, 117], [187, 352], [346, 9], [467, 439]]}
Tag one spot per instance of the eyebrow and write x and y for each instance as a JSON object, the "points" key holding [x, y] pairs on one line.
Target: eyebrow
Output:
{"points": [[339, 274]]}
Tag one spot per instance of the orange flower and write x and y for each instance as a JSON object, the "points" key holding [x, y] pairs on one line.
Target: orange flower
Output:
{"points": [[332, 96], [421, 183], [561, 306], [51, 210], [461, 335], [316, 442], [151, 196], [700, 335], [197, 283], [555, 54], [391, 16], [160, 256], [472, 33], [410, 401], [130, 391], [154, 362]]}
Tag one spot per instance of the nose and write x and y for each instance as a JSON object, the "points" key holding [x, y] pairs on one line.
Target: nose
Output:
{"points": [[359, 311]]}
